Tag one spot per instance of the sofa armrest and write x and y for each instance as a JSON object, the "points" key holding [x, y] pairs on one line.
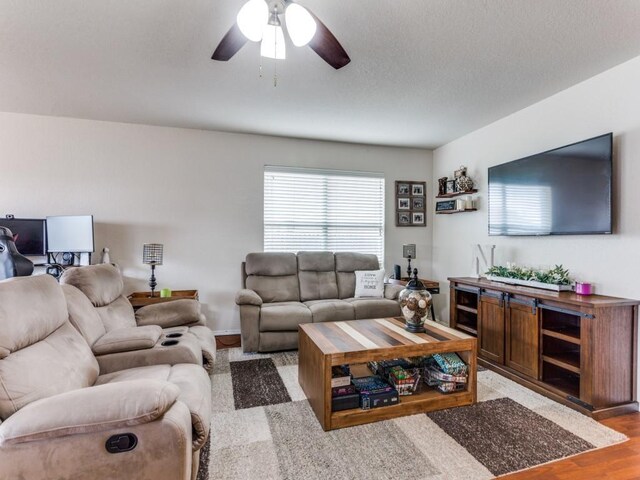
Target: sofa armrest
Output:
{"points": [[248, 297], [392, 291], [127, 339], [171, 314], [88, 410]]}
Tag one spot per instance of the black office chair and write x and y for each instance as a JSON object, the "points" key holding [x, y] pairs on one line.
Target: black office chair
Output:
{"points": [[12, 264]]}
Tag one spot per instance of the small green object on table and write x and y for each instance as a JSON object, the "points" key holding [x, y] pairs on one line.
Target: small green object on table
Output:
{"points": [[165, 293]]}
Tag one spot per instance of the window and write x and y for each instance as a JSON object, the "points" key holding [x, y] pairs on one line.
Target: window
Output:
{"points": [[307, 209]]}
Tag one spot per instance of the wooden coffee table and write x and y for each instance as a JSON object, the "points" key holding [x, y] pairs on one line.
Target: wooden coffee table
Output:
{"points": [[324, 345]]}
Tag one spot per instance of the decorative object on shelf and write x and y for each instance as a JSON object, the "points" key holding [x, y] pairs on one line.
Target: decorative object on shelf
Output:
{"points": [[446, 206], [415, 303], [409, 252], [557, 278], [451, 186], [483, 257], [165, 293], [152, 255], [583, 288], [442, 186], [463, 182], [411, 203], [106, 258]]}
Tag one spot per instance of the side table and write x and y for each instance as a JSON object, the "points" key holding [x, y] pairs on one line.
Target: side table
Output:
{"points": [[142, 299]]}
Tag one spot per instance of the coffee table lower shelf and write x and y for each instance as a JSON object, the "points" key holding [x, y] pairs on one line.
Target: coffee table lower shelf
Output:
{"points": [[322, 346], [426, 401]]}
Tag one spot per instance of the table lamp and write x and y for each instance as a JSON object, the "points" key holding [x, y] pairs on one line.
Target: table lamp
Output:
{"points": [[409, 252], [152, 255]]}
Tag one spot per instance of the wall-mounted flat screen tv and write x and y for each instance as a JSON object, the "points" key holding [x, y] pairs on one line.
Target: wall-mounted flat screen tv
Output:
{"points": [[29, 234], [565, 191], [70, 233]]}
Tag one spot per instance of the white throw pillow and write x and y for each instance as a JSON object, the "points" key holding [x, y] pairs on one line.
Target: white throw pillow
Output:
{"points": [[369, 283]]}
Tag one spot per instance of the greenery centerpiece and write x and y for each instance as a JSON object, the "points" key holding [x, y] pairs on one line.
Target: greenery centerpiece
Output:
{"points": [[556, 278]]}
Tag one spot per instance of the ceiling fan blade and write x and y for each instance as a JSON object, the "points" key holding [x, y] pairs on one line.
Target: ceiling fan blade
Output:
{"points": [[233, 41], [327, 46]]}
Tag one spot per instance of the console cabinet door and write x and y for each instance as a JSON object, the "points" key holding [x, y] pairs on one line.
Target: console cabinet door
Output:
{"points": [[491, 328], [523, 336]]}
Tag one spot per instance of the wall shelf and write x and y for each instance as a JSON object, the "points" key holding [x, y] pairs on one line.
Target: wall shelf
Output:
{"points": [[450, 212], [457, 194]]}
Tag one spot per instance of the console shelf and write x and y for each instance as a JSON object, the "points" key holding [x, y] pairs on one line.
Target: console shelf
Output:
{"points": [[578, 350]]}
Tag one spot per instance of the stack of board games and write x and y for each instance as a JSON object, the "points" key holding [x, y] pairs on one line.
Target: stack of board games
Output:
{"points": [[375, 392], [403, 374], [343, 394], [446, 371]]}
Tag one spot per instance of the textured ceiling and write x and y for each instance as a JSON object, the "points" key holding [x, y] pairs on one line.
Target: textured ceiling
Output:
{"points": [[423, 72]]}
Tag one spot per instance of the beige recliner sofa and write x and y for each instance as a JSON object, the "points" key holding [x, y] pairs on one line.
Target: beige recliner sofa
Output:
{"points": [[172, 323], [60, 419], [128, 347], [284, 290]]}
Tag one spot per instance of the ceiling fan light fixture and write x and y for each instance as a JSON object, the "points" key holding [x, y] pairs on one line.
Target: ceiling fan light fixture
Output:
{"points": [[251, 19], [300, 24], [272, 45]]}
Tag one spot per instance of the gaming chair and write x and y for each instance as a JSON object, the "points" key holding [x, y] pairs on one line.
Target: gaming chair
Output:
{"points": [[12, 264]]}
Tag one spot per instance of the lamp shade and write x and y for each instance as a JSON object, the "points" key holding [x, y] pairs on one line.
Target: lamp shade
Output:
{"points": [[252, 18], [300, 24], [272, 45], [152, 253]]}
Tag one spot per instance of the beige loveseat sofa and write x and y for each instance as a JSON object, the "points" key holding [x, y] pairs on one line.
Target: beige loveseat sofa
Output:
{"points": [[61, 419], [284, 290]]}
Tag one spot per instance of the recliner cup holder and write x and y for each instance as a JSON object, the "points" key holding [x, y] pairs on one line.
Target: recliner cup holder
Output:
{"points": [[173, 335], [169, 343]]}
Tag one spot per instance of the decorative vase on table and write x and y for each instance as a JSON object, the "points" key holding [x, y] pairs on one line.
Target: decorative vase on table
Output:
{"points": [[415, 303]]}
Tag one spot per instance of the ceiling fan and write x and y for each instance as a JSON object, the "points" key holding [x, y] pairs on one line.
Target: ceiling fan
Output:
{"points": [[259, 21]]}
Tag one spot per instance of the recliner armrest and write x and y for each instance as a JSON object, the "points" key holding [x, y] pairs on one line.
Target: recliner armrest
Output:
{"points": [[248, 297], [87, 410], [392, 291], [127, 339], [176, 313]]}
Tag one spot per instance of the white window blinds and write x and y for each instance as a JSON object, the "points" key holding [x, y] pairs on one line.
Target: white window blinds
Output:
{"points": [[307, 209]]}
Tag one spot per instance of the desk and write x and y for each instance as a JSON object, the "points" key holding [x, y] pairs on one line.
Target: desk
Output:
{"points": [[432, 287]]}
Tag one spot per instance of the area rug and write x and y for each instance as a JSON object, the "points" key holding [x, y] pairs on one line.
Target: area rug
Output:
{"points": [[263, 428]]}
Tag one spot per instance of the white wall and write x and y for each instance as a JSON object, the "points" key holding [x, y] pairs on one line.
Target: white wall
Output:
{"points": [[609, 102], [199, 193]]}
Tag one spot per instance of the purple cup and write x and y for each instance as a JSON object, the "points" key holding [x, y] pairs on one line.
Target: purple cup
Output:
{"points": [[584, 288]]}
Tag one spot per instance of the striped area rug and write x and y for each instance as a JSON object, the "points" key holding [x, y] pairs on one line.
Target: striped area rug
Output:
{"points": [[263, 428]]}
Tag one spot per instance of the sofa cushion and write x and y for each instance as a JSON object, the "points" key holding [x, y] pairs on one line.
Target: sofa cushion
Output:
{"points": [[83, 315], [346, 264], [31, 308], [275, 289], [369, 284], [276, 317], [117, 314], [331, 310], [271, 264], [317, 276], [101, 283], [374, 307]]}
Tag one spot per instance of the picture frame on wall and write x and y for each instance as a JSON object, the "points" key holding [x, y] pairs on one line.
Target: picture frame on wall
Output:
{"points": [[403, 188], [404, 204], [411, 203], [404, 218]]}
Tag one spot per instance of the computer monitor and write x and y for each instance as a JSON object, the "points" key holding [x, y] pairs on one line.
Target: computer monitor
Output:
{"points": [[70, 233], [29, 234]]}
